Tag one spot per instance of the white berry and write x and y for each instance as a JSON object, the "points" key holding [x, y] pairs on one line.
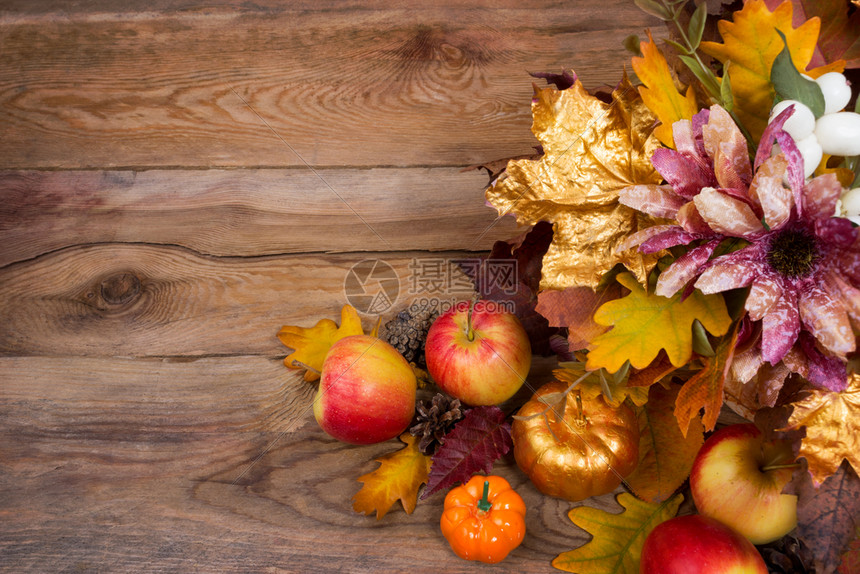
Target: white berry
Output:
{"points": [[836, 90], [839, 133], [801, 123], [851, 202], [812, 153]]}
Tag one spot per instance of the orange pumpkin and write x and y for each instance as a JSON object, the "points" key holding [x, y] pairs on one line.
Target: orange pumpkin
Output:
{"points": [[579, 448]]}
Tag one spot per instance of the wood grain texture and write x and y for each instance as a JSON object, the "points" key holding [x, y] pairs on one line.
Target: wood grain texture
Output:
{"points": [[249, 212], [169, 469], [276, 85]]}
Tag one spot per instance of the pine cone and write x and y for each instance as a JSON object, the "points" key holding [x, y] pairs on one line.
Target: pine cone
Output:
{"points": [[433, 420], [407, 332], [788, 555]]}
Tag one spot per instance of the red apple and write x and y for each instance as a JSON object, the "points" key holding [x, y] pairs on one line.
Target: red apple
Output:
{"points": [[478, 353], [696, 544], [738, 477], [367, 391]]}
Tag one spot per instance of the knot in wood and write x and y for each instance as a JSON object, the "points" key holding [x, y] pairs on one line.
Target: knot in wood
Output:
{"points": [[120, 288]]}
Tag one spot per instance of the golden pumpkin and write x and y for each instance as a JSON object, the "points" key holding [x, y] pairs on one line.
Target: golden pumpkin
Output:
{"points": [[580, 447]]}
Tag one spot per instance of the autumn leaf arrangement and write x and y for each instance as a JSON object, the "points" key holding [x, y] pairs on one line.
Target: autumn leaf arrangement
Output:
{"points": [[692, 256]]}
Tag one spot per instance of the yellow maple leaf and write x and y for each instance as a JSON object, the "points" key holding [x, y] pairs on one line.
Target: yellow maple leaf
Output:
{"points": [[591, 150], [832, 421], [311, 345], [643, 323], [617, 540], [660, 93], [751, 44], [398, 477]]}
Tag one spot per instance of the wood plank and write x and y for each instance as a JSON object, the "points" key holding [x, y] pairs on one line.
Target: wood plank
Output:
{"points": [[132, 465], [265, 85], [143, 300], [248, 212]]}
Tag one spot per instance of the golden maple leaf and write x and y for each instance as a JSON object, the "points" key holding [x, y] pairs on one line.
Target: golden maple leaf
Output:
{"points": [[617, 539], [398, 477], [643, 323], [591, 150], [832, 421], [751, 43], [311, 345], [659, 92]]}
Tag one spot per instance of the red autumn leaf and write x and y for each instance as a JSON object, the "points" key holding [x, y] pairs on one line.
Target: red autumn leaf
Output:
{"points": [[656, 371], [839, 38], [828, 518], [851, 559], [705, 388], [574, 309], [476, 442], [511, 274]]}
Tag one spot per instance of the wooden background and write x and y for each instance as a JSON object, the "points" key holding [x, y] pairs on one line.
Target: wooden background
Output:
{"points": [[177, 181]]}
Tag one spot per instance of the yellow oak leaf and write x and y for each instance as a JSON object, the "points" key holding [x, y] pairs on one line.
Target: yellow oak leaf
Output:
{"points": [[832, 421], [592, 149], [399, 476], [665, 455], [705, 388], [659, 92], [311, 345], [617, 540], [751, 43], [643, 323]]}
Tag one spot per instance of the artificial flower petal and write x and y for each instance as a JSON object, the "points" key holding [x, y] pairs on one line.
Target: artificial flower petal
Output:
{"points": [[686, 174], [639, 237], [655, 200], [669, 238], [725, 143], [776, 201], [723, 275], [727, 215], [827, 320], [763, 294], [825, 371], [779, 329], [691, 220], [820, 196], [684, 269]]}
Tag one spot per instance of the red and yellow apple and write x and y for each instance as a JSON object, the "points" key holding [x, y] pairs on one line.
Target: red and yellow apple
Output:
{"points": [[699, 544], [478, 353], [738, 478], [367, 391]]}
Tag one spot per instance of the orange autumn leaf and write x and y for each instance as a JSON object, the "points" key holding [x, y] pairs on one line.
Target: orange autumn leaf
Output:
{"points": [[660, 368], [398, 477], [617, 539], [643, 323], [832, 421], [665, 455], [660, 94], [592, 149], [751, 43], [311, 345], [705, 388]]}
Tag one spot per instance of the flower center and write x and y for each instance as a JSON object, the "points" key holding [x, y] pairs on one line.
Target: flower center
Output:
{"points": [[792, 253]]}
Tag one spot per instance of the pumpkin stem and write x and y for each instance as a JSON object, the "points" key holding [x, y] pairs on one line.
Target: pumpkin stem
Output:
{"points": [[580, 418], [484, 505], [470, 333]]}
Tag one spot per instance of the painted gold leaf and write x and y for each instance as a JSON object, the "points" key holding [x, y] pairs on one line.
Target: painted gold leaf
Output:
{"points": [[592, 149], [832, 421]]}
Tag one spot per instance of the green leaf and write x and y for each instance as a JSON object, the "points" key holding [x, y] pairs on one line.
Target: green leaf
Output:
{"points": [[654, 9], [726, 97], [697, 25], [616, 546], [678, 46], [791, 85], [701, 343], [631, 44], [701, 74]]}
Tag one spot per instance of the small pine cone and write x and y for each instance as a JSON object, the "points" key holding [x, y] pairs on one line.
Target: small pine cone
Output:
{"points": [[407, 332], [788, 555], [433, 420]]}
